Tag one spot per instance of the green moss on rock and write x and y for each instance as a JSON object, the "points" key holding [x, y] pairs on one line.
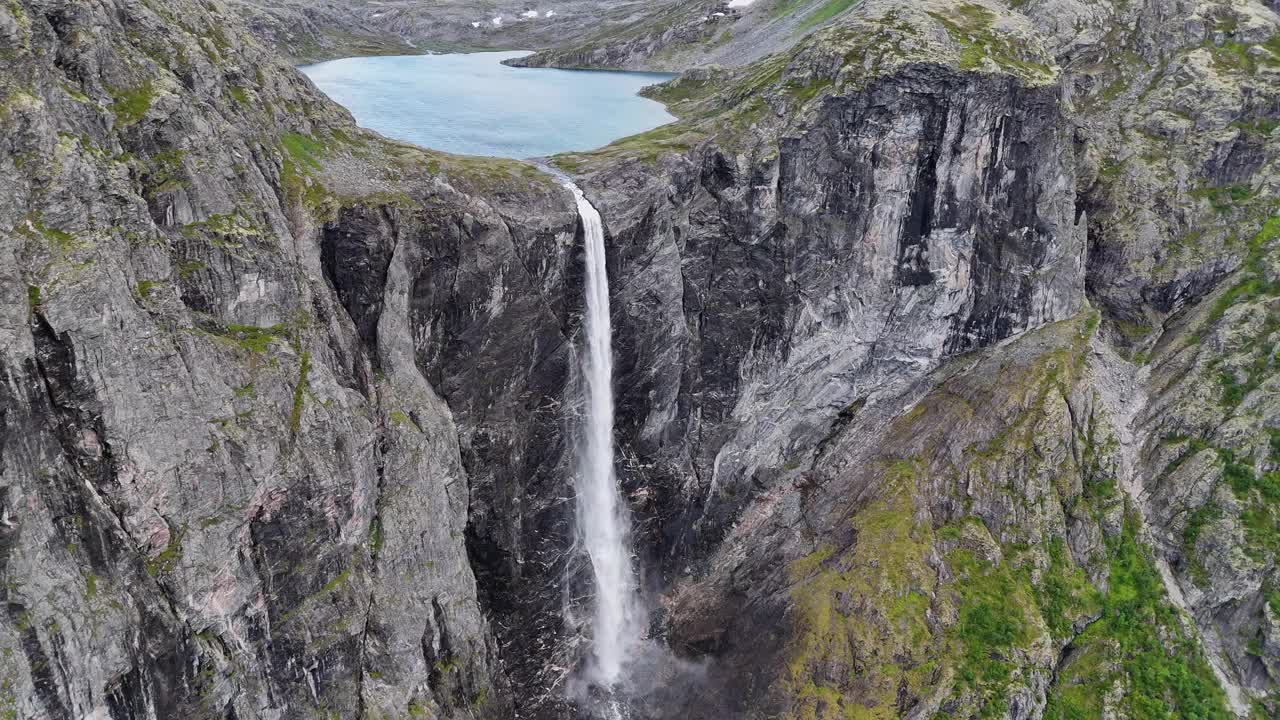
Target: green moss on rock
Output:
{"points": [[132, 104], [972, 27], [865, 610]]}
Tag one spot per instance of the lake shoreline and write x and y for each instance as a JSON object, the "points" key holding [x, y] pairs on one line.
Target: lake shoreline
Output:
{"points": [[475, 104]]}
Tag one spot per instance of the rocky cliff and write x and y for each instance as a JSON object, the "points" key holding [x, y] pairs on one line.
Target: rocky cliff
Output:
{"points": [[228, 490], [946, 349], [830, 233]]}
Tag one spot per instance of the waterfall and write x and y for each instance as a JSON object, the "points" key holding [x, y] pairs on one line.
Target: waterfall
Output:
{"points": [[603, 524]]}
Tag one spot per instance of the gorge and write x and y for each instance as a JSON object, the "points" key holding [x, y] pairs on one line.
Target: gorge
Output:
{"points": [[601, 519], [943, 341]]}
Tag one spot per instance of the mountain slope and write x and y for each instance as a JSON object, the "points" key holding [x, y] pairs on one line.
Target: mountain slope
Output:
{"points": [[313, 31], [946, 375], [1162, 116], [220, 498], [681, 35]]}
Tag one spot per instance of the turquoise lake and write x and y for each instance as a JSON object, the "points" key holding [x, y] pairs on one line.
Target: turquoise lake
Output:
{"points": [[473, 104]]}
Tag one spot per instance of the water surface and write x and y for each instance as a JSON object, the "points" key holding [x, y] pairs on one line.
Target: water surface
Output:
{"points": [[473, 104]]}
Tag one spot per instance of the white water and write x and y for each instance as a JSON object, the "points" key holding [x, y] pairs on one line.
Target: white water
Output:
{"points": [[603, 524]]}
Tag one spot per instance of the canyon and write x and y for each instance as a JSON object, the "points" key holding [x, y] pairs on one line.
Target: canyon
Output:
{"points": [[944, 343]]}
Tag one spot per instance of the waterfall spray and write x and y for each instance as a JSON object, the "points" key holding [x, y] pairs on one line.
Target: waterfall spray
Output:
{"points": [[603, 525]]}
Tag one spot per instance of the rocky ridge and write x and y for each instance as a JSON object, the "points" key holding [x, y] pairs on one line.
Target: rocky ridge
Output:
{"points": [[306, 31]]}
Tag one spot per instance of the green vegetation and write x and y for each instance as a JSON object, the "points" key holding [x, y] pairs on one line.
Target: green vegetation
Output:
{"points": [[1233, 391], [1255, 283], [302, 156], [828, 11], [682, 89], [1224, 199], [804, 93], [304, 150], [168, 558], [1065, 594], [480, 700], [1260, 498], [863, 635], [144, 289], [1234, 56], [191, 267], [972, 27], [340, 43], [332, 586], [401, 419], [1202, 517], [132, 105], [338, 581], [165, 172], [1238, 382], [993, 621], [1262, 127], [1141, 637], [225, 230], [256, 340], [34, 227], [675, 138], [818, 15], [375, 535], [786, 7], [864, 610], [84, 141]]}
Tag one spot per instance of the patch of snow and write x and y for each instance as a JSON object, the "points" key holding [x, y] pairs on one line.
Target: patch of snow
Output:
{"points": [[740, 3], [475, 24], [497, 22], [550, 13], [719, 14], [529, 14]]}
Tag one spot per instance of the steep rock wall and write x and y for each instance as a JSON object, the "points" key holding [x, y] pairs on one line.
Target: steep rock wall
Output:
{"points": [[229, 489]]}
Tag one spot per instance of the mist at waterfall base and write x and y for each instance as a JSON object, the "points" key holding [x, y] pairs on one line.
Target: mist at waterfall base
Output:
{"points": [[624, 672], [472, 104]]}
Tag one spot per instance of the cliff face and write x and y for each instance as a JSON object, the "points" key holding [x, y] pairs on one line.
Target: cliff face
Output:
{"points": [[228, 489], [823, 452], [945, 378], [804, 279]]}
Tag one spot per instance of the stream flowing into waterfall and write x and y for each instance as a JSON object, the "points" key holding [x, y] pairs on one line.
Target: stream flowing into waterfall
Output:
{"points": [[603, 523]]}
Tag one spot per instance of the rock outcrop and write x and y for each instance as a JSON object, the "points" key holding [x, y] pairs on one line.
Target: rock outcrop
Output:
{"points": [[229, 489]]}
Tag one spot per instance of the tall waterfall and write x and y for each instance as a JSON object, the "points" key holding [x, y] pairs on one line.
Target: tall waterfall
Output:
{"points": [[603, 525]]}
